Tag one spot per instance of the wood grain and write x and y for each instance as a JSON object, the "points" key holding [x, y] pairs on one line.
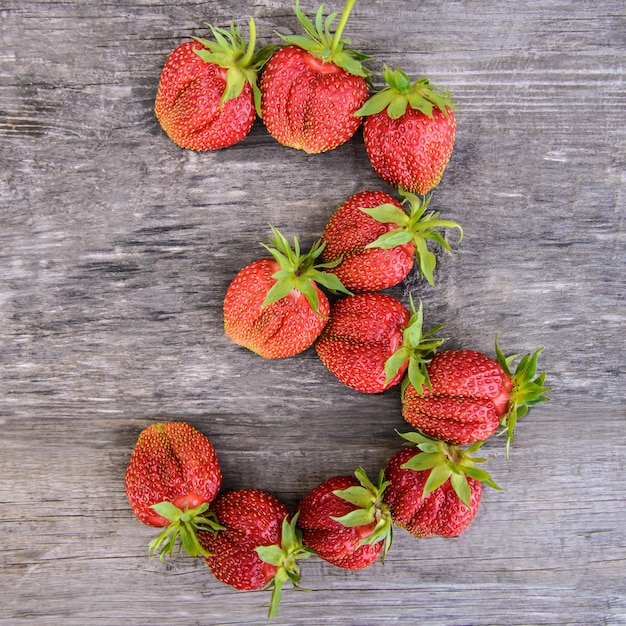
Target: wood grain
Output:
{"points": [[116, 249]]}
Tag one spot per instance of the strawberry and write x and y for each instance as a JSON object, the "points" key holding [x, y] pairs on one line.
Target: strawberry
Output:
{"points": [[311, 89], [409, 132], [376, 240], [208, 97], [371, 340], [468, 395], [172, 476], [434, 489], [257, 546], [345, 521], [274, 306]]}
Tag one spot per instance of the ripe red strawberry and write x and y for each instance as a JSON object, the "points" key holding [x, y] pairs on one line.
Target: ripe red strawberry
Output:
{"points": [[371, 340], [376, 240], [258, 544], [274, 306], [434, 489], [468, 395], [345, 521], [409, 132], [311, 89], [207, 96], [172, 476]]}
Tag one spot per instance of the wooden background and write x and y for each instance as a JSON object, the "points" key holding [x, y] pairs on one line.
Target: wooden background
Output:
{"points": [[116, 248]]}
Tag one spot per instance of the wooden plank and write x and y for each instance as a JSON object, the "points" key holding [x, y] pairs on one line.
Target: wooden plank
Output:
{"points": [[116, 249]]}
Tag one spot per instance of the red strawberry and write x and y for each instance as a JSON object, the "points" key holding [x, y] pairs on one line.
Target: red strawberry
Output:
{"points": [[312, 88], [345, 521], [172, 476], [409, 132], [376, 241], [208, 97], [434, 489], [274, 306], [257, 545], [468, 395], [371, 340]]}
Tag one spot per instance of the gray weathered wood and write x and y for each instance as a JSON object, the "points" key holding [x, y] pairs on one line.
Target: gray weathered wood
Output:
{"points": [[116, 248]]}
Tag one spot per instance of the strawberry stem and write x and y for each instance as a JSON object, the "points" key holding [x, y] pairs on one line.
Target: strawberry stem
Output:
{"points": [[284, 557], [528, 389], [447, 462], [368, 497], [183, 524], [327, 46], [342, 23], [399, 94], [417, 227], [299, 271], [417, 348], [230, 51]]}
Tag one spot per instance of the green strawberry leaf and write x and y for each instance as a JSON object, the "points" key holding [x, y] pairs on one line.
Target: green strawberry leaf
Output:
{"points": [[376, 104], [273, 554], [427, 260], [306, 288], [446, 461], [387, 214], [359, 496], [418, 227], [461, 488], [279, 290], [184, 524], [415, 349], [299, 271], [330, 281], [395, 362], [169, 511], [418, 374], [416, 437], [230, 51], [430, 447], [235, 82], [423, 461], [381, 532], [525, 393], [397, 107], [363, 478], [399, 94], [301, 41], [372, 508], [418, 103], [481, 475], [358, 517], [391, 239], [438, 475]]}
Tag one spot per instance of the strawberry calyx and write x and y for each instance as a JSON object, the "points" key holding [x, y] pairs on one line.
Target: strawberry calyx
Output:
{"points": [[417, 347], [323, 44], [284, 557], [231, 52], [415, 226], [446, 461], [299, 271], [368, 497], [528, 389], [400, 93], [184, 523]]}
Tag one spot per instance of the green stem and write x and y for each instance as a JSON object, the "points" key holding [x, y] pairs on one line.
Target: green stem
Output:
{"points": [[247, 58], [342, 23]]}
